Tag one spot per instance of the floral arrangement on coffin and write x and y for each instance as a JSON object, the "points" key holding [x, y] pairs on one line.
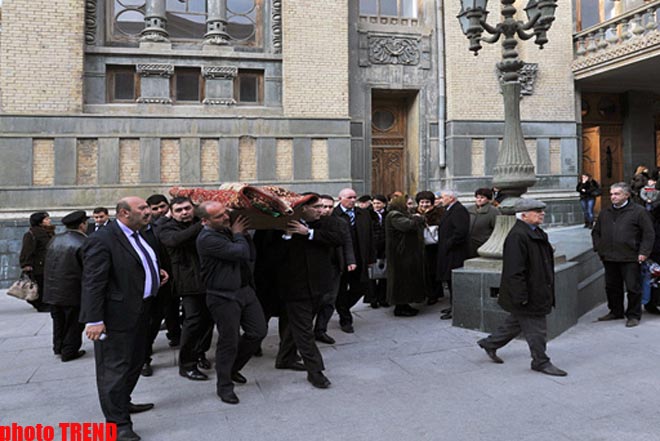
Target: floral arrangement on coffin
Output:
{"points": [[267, 207]]}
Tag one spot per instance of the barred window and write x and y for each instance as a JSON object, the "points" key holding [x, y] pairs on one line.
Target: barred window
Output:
{"points": [[389, 8]]}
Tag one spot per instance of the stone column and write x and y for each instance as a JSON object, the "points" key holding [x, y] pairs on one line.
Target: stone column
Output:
{"points": [[155, 20], [216, 23]]}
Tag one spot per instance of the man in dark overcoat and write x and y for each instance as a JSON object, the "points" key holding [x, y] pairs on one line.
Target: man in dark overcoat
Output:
{"points": [[121, 276], [305, 278], [623, 238], [527, 289], [62, 285], [354, 284], [453, 242]]}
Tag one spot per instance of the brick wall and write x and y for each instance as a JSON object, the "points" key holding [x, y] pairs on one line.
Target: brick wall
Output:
{"points": [[315, 58], [170, 162], [129, 161], [210, 158], [472, 85], [41, 56], [87, 153], [43, 162]]}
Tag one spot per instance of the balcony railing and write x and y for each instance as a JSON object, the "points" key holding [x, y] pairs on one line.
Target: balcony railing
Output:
{"points": [[625, 36]]}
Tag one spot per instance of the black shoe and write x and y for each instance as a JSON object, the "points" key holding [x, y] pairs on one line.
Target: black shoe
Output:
{"points": [[446, 316], [374, 305], [57, 351], [405, 311], [78, 354], [318, 380], [259, 353], [137, 408], [632, 322], [347, 328], [551, 369], [203, 363], [175, 342], [492, 353], [125, 433], [237, 377], [229, 397], [609, 316], [147, 371], [323, 337], [651, 309], [445, 311], [295, 366], [194, 374]]}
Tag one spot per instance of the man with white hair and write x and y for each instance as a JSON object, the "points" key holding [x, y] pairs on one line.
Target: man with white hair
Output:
{"points": [[527, 289], [354, 284], [453, 242]]}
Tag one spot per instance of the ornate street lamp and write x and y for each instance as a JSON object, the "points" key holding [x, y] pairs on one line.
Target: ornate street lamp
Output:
{"points": [[514, 171]]}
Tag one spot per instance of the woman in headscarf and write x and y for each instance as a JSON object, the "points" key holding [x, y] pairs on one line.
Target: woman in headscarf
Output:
{"points": [[432, 214], [33, 253], [406, 281]]}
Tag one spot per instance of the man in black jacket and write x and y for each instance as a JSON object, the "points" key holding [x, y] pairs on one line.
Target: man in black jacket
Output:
{"points": [[121, 276], [226, 254], [305, 278], [179, 235], [354, 284], [453, 242], [623, 238], [527, 289], [62, 285]]}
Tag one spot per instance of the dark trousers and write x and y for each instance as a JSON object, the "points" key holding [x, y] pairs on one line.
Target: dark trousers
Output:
{"points": [[299, 334], [197, 331], [38, 302], [616, 274], [534, 330], [67, 331], [158, 313], [119, 359], [173, 317], [234, 350], [326, 308], [351, 289]]}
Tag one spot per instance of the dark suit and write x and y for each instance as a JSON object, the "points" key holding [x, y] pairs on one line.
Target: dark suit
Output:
{"points": [[305, 277], [112, 292], [453, 242], [91, 227], [353, 285]]}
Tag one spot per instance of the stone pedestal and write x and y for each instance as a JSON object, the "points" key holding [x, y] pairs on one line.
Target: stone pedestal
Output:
{"points": [[476, 289]]}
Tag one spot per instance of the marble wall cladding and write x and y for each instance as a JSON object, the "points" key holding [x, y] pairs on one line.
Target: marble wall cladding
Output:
{"points": [[43, 163], [478, 157], [210, 158], [531, 149], [319, 159], [555, 156], [284, 160]]}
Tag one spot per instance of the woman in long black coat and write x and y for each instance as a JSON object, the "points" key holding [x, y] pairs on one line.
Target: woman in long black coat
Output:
{"points": [[406, 281], [33, 253]]}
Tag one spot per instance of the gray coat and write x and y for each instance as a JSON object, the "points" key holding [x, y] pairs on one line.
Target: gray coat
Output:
{"points": [[482, 223]]}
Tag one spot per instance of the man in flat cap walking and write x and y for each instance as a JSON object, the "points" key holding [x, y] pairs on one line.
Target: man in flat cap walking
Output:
{"points": [[527, 290]]}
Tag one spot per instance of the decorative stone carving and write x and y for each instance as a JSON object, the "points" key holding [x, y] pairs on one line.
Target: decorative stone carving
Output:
{"points": [[90, 21], [155, 30], [526, 77], [149, 100], [394, 49], [155, 70], [219, 72], [618, 51], [276, 20], [216, 23], [219, 101]]}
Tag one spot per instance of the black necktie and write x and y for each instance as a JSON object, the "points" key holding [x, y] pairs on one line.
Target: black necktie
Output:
{"points": [[154, 274], [351, 215]]}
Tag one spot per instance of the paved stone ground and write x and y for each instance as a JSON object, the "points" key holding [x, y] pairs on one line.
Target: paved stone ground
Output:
{"points": [[394, 379]]}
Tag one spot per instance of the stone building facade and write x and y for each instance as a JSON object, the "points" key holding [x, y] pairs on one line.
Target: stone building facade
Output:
{"points": [[136, 96]]}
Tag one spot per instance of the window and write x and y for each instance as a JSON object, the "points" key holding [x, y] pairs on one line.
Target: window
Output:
{"points": [[122, 84], [248, 87], [592, 12], [389, 8], [187, 85], [243, 20], [186, 19], [128, 19]]}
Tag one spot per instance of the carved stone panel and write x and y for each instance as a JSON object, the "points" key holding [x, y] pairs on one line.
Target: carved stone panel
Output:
{"points": [[276, 26], [394, 49], [219, 85], [527, 77], [155, 70], [90, 21], [155, 83]]}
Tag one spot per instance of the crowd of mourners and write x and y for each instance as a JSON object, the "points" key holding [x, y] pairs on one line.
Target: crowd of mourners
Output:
{"points": [[169, 264]]}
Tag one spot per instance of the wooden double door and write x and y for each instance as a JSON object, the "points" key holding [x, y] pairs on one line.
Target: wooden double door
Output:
{"points": [[388, 145], [602, 158]]}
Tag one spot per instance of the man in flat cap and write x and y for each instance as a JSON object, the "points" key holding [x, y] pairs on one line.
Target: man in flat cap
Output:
{"points": [[62, 285], [527, 289]]}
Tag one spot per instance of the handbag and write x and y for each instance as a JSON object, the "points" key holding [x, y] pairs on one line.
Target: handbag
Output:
{"points": [[24, 288], [430, 235], [378, 270]]}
